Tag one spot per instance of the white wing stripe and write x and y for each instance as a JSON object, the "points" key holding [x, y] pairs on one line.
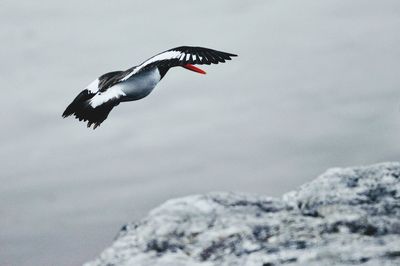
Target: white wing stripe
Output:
{"points": [[163, 56], [103, 97], [187, 57], [182, 57]]}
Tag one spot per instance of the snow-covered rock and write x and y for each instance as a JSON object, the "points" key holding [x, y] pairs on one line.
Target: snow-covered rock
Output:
{"points": [[346, 216]]}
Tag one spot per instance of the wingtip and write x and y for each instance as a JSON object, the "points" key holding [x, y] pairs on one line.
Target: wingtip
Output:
{"points": [[64, 115]]}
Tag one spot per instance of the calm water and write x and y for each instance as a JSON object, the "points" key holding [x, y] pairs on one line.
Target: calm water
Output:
{"points": [[316, 85]]}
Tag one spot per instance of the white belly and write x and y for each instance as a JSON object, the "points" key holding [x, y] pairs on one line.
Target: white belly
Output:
{"points": [[140, 85]]}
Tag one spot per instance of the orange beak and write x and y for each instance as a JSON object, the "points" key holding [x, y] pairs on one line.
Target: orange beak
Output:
{"points": [[193, 68]]}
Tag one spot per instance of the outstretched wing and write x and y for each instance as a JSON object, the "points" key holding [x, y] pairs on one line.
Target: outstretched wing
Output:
{"points": [[95, 102], [181, 56]]}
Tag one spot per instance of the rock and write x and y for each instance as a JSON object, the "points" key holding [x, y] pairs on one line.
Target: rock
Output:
{"points": [[346, 216]]}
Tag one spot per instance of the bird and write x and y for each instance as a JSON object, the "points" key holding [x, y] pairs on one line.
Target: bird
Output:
{"points": [[95, 102]]}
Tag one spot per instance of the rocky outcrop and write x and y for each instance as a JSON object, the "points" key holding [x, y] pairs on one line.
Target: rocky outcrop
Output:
{"points": [[346, 216]]}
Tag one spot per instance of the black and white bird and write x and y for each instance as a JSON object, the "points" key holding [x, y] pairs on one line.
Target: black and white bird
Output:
{"points": [[96, 101]]}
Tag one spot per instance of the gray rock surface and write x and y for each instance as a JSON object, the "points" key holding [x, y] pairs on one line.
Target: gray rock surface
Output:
{"points": [[346, 216]]}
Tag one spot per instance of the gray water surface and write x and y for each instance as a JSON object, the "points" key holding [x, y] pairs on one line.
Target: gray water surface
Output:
{"points": [[316, 85]]}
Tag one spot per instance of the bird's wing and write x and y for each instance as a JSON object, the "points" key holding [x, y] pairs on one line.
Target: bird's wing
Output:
{"points": [[181, 56], [96, 101], [94, 107], [109, 79], [105, 81]]}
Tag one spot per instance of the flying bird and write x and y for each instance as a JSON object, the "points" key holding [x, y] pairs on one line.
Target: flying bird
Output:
{"points": [[97, 100]]}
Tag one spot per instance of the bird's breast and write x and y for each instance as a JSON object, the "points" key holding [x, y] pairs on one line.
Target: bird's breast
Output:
{"points": [[140, 85]]}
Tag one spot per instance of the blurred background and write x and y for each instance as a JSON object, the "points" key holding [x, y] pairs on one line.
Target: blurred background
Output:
{"points": [[316, 85]]}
